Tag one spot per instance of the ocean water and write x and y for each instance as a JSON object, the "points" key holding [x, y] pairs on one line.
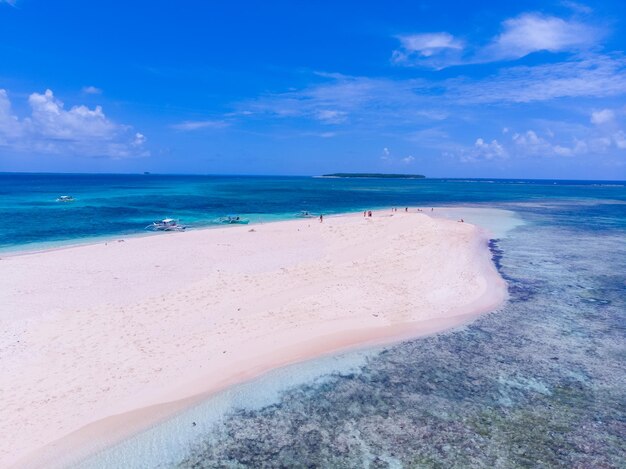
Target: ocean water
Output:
{"points": [[114, 205], [539, 383]]}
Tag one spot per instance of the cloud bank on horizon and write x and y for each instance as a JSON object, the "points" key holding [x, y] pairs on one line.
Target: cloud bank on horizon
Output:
{"points": [[448, 88]]}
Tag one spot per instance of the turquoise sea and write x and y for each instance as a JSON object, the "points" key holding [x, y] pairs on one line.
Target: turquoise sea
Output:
{"points": [[539, 383], [112, 205]]}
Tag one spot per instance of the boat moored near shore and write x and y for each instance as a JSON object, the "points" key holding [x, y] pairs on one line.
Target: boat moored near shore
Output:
{"points": [[167, 224], [234, 220]]}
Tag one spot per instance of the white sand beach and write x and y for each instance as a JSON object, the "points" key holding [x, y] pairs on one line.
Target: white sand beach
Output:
{"points": [[108, 329]]}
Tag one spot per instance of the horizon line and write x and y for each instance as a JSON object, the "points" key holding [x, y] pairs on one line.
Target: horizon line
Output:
{"points": [[295, 176]]}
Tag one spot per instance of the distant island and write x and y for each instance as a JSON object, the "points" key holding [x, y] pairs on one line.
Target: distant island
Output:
{"points": [[374, 175]]}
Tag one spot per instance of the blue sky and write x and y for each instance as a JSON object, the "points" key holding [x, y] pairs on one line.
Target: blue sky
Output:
{"points": [[447, 89]]}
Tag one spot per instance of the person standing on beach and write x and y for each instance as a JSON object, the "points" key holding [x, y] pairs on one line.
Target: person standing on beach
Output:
{"points": [[321, 218]]}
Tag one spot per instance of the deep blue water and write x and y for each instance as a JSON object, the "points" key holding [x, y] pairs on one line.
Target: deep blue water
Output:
{"points": [[109, 205]]}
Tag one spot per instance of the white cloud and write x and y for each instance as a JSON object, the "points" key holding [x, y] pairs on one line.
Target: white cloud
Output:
{"points": [[602, 117], [429, 44], [582, 142], [532, 32], [50, 128], [10, 126], [489, 151], [331, 116], [619, 138], [562, 151], [528, 138], [50, 119], [375, 104], [432, 114], [341, 98], [9, 2], [520, 36], [592, 76], [577, 7], [387, 157], [480, 151], [430, 138], [400, 106], [414, 47], [91, 90], [316, 134], [531, 144], [139, 139], [196, 125], [524, 144]]}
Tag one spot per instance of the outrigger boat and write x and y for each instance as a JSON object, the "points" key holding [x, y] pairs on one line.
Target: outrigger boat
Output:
{"points": [[65, 198], [167, 224], [234, 219]]}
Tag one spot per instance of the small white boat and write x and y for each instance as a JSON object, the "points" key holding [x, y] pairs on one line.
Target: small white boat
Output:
{"points": [[234, 219], [167, 224], [65, 198], [306, 214]]}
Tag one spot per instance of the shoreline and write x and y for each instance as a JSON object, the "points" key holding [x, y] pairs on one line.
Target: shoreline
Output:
{"points": [[79, 447], [325, 335], [7, 252], [48, 246]]}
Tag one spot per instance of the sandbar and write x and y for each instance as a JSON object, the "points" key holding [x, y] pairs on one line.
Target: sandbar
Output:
{"points": [[94, 332]]}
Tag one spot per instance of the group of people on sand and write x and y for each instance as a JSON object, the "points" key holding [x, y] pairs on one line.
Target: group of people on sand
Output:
{"points": [[368, 213], [406, 209]]}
